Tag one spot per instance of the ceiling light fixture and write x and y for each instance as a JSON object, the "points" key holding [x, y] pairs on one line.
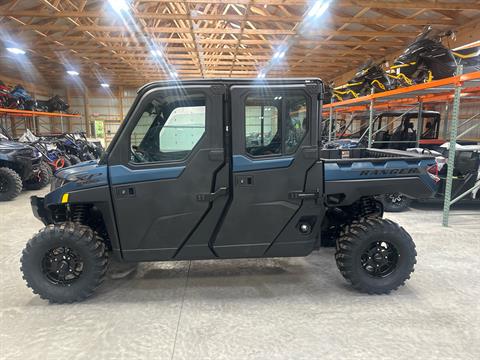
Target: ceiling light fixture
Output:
{"points": [[173, 74], [73, 72], [261, 75], [279, 55], [104, 85], [16, 51], [157, 53], [318, 9], [119, 5]]}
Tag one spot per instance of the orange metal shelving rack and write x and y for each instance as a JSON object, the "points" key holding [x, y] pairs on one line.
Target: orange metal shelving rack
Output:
{"points": [[464, 87], [30, 114]]}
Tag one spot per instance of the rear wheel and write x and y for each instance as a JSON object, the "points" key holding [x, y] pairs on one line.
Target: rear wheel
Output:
{"points": [[41, 179], [64, 263], [395, 202], [375, 255], [10, 184]]}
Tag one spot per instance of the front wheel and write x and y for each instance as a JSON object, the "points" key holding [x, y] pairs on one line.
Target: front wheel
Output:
{"points": [[40, 180], [64, 263], [375, 255], [10, 184], [395, 202]]}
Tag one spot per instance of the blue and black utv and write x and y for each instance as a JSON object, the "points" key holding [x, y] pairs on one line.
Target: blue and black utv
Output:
{"points": [[221, 169]]}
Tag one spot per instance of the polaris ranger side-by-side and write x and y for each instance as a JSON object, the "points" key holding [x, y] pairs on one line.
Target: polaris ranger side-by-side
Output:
{"points": [[221, 169]]}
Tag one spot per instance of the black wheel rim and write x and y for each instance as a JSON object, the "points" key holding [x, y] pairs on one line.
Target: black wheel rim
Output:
{"points": [[62, 266], [379, 259], [395, 198]]}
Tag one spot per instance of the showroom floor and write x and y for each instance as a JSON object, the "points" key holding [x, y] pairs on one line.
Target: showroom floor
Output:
{"points": [[254, 309]]}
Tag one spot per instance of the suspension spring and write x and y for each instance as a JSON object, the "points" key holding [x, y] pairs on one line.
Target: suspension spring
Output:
{"points": [[368, 206], [79, 213]]}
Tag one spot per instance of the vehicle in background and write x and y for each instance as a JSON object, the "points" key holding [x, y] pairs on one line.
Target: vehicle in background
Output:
{"points": [[466, 175], [51, 155], [369, 76], [427, 59], [20, 166], [391, 130]]}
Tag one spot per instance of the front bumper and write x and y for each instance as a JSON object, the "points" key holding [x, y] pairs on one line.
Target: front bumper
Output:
{"points": [[39, 210], [28, 167]]}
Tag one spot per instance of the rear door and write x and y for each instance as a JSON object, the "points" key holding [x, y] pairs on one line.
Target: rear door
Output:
{"points": [[274, 136], [168, 173]]}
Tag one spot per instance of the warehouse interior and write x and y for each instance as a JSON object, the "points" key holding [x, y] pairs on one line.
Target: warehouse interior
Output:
{"points": [[72, 80]]}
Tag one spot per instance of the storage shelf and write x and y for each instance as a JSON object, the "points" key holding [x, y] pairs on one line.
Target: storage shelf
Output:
{"points": [[434, 91], [31, 113]]}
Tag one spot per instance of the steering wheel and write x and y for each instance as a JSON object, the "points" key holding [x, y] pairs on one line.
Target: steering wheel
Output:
{"points": [[139, 155]]}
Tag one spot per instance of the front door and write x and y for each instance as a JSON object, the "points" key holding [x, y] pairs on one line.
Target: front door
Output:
{"points": [[274, 137], [168, 174]]}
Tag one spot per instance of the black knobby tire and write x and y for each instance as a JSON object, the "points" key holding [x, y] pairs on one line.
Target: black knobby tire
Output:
{"points": [[375, 233], [74, 159], [10, 184], [83, 243], [395, 202], [41, 180]]}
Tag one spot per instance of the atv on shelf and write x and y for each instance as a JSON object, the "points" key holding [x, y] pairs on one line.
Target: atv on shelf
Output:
{"points": [[222, 169], [466, 176], [20, 166]]}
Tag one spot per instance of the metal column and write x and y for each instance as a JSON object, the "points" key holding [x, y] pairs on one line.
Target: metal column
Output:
{"points": [[451, 150], [419, 124], [330, 122], [370, 123]]}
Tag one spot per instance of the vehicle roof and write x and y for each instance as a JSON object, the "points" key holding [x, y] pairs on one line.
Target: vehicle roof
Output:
{"points": [[229, 82]]}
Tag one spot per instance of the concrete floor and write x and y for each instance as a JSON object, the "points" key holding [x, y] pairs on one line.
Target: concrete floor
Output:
{"points": [[254, 309]]}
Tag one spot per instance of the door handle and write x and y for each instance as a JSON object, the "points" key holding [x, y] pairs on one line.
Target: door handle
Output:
{"points": [[125, 191], [216, 154], [212, 196]]}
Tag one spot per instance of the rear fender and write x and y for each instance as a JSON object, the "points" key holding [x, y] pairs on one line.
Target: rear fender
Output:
{"points": [[346, 182]]}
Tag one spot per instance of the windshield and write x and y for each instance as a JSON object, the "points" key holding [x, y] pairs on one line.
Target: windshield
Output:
{"points": [[429, 33]]}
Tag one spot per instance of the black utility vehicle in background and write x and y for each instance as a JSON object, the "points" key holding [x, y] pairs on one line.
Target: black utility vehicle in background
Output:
{"points": [[21, 166], [391, 129], [221, 169]]}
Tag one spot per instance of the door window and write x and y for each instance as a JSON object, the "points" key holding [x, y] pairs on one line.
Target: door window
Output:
{"points": [[169, 128], [274, 124]]}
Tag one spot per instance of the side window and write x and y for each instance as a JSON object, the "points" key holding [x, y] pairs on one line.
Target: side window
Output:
{"points": [[168, 129], [296, 122], [262, 128], [274, 124]]}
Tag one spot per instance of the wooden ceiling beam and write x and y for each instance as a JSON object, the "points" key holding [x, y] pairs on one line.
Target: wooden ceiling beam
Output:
{"points": [[147, 16], [398, 4], [337, 19]]}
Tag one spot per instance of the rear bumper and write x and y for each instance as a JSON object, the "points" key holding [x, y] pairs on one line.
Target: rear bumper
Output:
{"points": [[413, 187]]}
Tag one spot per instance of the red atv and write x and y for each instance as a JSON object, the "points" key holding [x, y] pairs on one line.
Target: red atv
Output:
{"points": [[6, 99]]}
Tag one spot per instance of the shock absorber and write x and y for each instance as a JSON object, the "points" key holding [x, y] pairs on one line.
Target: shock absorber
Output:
{"points": [[369, 206], [79, 213]]}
